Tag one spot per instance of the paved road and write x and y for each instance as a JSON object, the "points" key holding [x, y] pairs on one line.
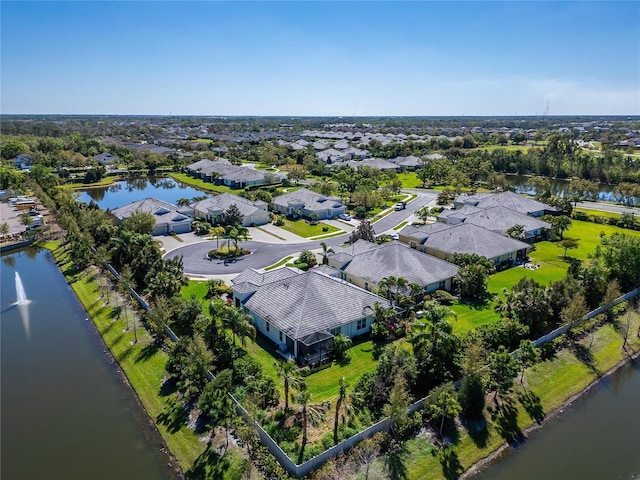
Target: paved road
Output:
{"points": [[608, 207], [195, 261]]}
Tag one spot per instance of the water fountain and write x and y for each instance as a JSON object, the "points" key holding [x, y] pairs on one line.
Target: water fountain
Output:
{"points": [[20, 293]]}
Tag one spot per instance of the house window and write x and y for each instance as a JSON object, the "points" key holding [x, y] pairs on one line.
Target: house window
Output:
{"points": [[280, 336], [362, 324], [267, 326], [366, 286], [441, 285], [336, 331]]}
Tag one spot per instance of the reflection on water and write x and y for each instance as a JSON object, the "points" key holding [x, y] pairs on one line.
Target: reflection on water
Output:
{"points": [[137, 188], [65, 413], [597, 437]]}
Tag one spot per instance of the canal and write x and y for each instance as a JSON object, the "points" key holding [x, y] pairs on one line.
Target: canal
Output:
{"points": [[66, 414], [597, 437]]}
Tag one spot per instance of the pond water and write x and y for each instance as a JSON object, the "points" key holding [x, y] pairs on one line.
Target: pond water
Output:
{"points": [[126, 191], [65, 412], [597, 437], [561, 188]]}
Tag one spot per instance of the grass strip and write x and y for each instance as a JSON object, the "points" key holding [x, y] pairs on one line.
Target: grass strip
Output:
{"points": [[278, 264], [143, 364], [400, 225]]}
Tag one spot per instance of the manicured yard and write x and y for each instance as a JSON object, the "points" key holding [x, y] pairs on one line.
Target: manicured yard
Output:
{"points": [[197, 288], [278, 264], [598, 213], [410, 180], [304, 229], [323, 385]]}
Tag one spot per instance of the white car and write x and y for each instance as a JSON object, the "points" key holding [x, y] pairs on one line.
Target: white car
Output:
{"points": [[393, 236], [344, 216]]}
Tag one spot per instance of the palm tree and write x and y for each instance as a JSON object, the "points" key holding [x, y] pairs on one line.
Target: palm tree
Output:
{"points": [[127, 283], [432, 328], [341, 403], [311, 413], [423, 214], [101, 257], [217, 232], [289, 373], [239, 323], [326, 250]]}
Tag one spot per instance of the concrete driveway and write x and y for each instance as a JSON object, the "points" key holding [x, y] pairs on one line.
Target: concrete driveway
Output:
{"points": [[267, 249]]}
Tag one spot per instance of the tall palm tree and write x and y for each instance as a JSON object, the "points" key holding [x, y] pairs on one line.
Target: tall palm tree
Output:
{"points": [[239, 323], [289, 373], [217, 232], [100, 258], [127, 283], [326, 250], [341, 404], [311, 413]]}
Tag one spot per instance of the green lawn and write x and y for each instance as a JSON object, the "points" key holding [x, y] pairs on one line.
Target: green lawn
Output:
{"points": [[551, 383], [507, 148], [278, 264], [410, 180], [142, 363], [303, 229], [323, 385], [197, 288], [201, 184], [552, 268], [103, 182], [598, 213]]}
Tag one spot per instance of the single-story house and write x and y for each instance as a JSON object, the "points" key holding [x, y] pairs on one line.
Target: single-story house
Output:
{"points": [[410, 162], [106, 158], [22, 161], [377, 163], [169, 218], [307, 202], [511, 200], [443, 241], [302, 312], [255, 213], [497, 219], [223, 172], [365, 264]]}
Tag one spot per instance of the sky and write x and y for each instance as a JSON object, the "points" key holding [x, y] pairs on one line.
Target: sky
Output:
{"points": [[362, 58]]}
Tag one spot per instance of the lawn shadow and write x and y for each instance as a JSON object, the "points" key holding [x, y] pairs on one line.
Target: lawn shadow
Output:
{"points": [[168, 386], [531, 403], [209, 465], [395, 461], [451, 467], [477, 431], [147, 352], [505, 418], [479, 304], [173, 417], [584, 355], [343, 362]]}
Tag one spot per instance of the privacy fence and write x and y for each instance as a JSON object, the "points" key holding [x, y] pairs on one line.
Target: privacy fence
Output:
{"points": [[384, 424]]}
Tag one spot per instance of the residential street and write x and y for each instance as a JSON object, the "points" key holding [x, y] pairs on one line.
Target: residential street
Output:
{"points": [[608, 207], [263, 254]]}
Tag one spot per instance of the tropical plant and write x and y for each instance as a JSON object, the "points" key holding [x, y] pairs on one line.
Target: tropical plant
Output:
{"points": [[502, 370], [310, 413], [326, 250], [239, 322], [342, 405], [288, 371], [217, 232], [443, 403], [527, 356]]}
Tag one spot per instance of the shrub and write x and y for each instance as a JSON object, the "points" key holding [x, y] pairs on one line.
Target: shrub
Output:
{"points": [[443, 297], [471, 396]]}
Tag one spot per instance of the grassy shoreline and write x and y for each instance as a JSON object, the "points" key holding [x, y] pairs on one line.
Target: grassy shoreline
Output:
{"points": [[143, 366], [553, 384]]}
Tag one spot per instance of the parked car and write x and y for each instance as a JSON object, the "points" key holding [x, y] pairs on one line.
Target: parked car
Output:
{"points": [[393, 236], [400, 206], [344, 216]]}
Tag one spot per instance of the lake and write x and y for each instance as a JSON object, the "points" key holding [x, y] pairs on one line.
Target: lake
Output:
{"points": [[66, 414], [126, 191], [597, 437]]}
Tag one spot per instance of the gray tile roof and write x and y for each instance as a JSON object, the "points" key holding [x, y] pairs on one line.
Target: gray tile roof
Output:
{"points": [[500, 219], [466, 238], [225, 200], [256, 278], [398, 260], [377, 163], [311, 302], [519, 203], [312, 201], [163, 212]]}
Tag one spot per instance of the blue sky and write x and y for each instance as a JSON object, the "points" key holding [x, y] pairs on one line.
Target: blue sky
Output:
{"points": [[321, 58]]}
